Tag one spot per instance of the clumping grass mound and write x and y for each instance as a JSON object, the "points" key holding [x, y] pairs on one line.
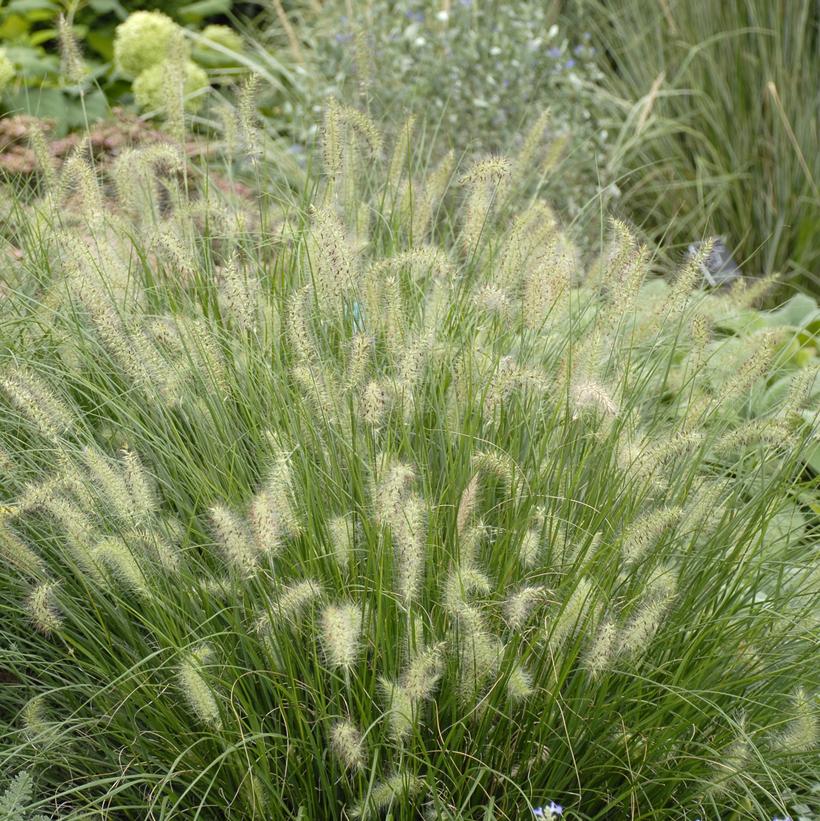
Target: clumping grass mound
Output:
{"points": [[366, 511]]}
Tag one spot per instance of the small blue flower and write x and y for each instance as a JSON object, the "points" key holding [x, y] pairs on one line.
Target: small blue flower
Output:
{"points": [[554, 52], [570, 63], [554, 810], [417, 16]]}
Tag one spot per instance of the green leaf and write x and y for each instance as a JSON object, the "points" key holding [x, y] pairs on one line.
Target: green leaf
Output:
{"points": [[101, 41], [108, 7], [27, 6], [194, 12]]}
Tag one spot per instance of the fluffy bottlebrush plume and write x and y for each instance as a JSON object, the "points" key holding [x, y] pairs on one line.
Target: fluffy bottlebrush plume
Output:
{"points": [[374, 403], [497, 464], [266, 523], [195, 688], [420, 679], [390, 491], [78, 530], [347, 743], [742, 294], [158, 547], [701, 331], [650, 460], [279, 484], [341, 627], [772, 432], [320, 390], [519, 607], [624, 267], [501, 384], [519, 683], [363, 128], [400, 709], [406, 516], [331, 260], [470, 542], [402, 152], [602, 648], [174, 249], [707, 506], [428, 197], [45, 162], [486, 183], [77, 176], [493, 301], [131, 348], [641, 628], [644, 532], [462, 583], [247, 132], [137, 174], [297, 324], [72, 65], [525, 159], [574, 614], [688, 277], [800, 392], [117, 556], [546, 280], [202, 352], [394, 790], [295, 600], [751, 370], [241, 295], [802, 733], [15, 552], [37, 402], [332, 154], [361, 347], [529, 550], [732, 762], [107, 477], [479, 651], [37, 728], [525, 243], [342, 541], [234, 537], [589, 395], [42, 608], [140, 488], [411, 369], [468, 503]]}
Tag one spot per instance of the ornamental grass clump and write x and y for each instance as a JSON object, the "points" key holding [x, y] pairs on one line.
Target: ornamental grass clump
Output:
{"points": [[357, 514]]}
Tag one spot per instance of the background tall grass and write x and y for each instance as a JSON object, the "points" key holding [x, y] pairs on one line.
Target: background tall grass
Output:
{"points": [[714, 107]]}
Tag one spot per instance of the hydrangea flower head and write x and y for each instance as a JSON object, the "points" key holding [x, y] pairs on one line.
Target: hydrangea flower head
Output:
{"points": [[151, 90], [224, 36], [6, 70], [144, 40]]}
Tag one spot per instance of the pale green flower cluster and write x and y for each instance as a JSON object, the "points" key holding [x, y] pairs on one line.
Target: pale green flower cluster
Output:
{"points": [[151, 87], [144, 40], [149, 47], [223, 36], [7, 71]]}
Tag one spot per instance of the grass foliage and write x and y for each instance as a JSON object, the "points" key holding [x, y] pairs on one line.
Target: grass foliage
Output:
{"points": [[349, 507], [714, 107]]}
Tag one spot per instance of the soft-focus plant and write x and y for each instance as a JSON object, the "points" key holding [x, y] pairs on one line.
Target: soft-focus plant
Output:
{"points": [[357, 510], [712, 111], [474, 74]]}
